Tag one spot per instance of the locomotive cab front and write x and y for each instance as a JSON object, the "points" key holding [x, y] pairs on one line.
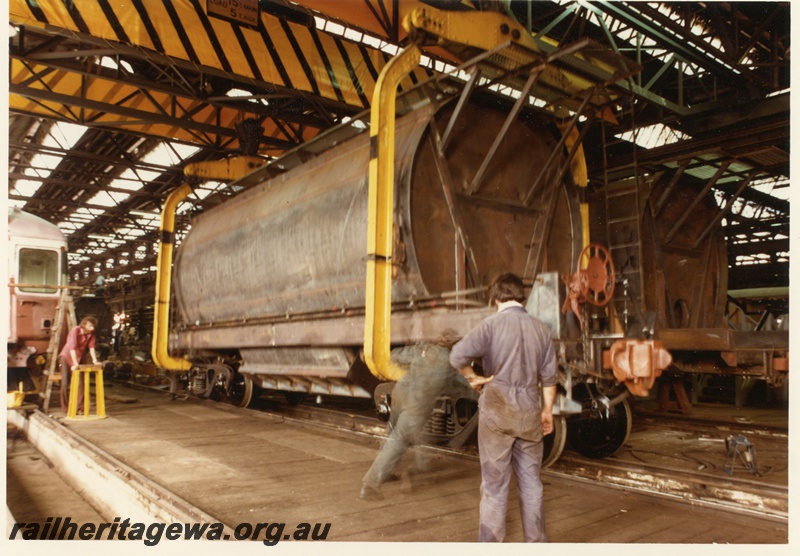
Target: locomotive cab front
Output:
{"points": [[36, 271]]}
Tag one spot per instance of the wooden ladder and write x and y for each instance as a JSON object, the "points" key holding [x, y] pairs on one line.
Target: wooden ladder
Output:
{"points": [[65, 308]]}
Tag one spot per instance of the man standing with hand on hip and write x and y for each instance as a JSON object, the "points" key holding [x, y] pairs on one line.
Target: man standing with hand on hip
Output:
{"points": [[518, 356]]}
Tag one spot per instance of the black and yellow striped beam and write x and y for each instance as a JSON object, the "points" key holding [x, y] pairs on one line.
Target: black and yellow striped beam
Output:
{"points": [[184, 61], [382, 18]]}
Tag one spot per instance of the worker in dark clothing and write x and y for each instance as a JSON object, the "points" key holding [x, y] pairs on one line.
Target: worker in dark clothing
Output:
{"points": [[518, 357], [413, 399], [79, 339]]}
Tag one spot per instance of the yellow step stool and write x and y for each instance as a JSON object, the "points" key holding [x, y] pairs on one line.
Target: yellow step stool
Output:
{"points": [[85, 372]]}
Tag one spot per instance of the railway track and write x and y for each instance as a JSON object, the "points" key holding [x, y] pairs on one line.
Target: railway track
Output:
{"points": [[666, 456], [669, 456]]}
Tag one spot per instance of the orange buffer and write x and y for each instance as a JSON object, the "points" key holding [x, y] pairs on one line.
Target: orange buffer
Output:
{"points": [[637, 363]]}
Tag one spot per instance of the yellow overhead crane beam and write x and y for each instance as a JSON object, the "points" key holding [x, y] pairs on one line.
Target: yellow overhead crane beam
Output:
{"points": [[270, 52], [463, 31], [382, 18], [273, 52]]}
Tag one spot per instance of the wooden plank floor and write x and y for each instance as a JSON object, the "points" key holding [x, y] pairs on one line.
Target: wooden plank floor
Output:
{"points": [[34, 491], [242, 467]]}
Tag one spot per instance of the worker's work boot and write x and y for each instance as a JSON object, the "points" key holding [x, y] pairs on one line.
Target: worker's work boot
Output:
{"points": [[369, 493]]}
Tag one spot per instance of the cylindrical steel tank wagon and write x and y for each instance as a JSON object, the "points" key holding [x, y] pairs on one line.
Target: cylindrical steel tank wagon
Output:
{"points": [[292, 248], [270, 286]]}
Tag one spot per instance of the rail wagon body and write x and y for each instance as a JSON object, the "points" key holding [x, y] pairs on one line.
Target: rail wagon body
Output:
{"points": [[269, 286]]}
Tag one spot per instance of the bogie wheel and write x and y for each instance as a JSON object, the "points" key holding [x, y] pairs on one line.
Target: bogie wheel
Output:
{"points": [[555, 441], [598, 431], [598, 276], [241, 390]]}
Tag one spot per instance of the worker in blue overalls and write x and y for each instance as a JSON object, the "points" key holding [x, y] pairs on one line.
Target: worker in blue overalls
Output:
{"points": [[518, 357]]}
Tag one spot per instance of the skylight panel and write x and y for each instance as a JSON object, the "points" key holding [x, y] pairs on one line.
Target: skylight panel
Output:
{"points": [[108, 198], [207, 189], [335, 28], [42, 164], [87, 214], [169, 154], [133, 180], [745, 209], [114, 65], [655, 135], [371, 41], [353, 35], [130, 232], [390, 49], [144, 175], [108, 62], [696, 29], [64, 135], [778, 93], [67, 227], [775, 187], [151, 223], [27, 188]]}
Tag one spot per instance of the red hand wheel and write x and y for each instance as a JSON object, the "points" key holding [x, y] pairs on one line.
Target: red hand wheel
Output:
{"points": [[597, 274]]}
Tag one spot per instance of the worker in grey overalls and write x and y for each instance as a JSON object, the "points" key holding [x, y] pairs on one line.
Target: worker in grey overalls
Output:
{"points": [[414, 396], [518, 356]]}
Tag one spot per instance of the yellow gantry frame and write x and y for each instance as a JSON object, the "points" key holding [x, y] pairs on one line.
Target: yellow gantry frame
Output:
{"points": [[580, 174], [160, 350], [481, 30], [228, 169], [377, 330]]}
